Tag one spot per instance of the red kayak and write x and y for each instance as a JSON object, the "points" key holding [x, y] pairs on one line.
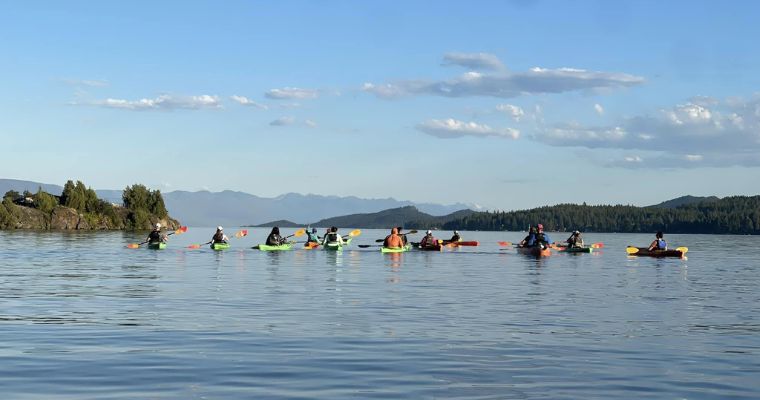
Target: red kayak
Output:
{"points": [[535, 251], [455, 244]]}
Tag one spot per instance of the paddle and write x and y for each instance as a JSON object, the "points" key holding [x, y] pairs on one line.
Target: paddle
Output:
{"points": [[412, 232], [238, 235], [634, 250], [364, 246], [179, 231], [504, 243]]}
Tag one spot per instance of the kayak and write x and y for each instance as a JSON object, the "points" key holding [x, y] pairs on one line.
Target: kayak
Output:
{"points": [[395, 250], [310, 246], [220, 246], [566, 249], [644, 251], [157, 245], [336, 246], [264, 247], [461, 243], [535, 251]]}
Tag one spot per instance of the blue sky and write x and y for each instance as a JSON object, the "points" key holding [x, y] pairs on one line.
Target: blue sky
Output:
{"points": [[503, 104]]}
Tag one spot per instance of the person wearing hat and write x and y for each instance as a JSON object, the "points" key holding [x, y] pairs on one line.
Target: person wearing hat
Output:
{"points": [[429, 240], [658, 243], [219, 236], [311, 237], [575, 239], [155, 236], [455, 237]]}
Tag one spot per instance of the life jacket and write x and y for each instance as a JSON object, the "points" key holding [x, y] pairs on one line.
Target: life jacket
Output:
{"points": [[661, 245], [312, 237], [155, 236], [539, 239], [274, 240], [332, 237], [428, 241], [218, 237], [455, 238]]}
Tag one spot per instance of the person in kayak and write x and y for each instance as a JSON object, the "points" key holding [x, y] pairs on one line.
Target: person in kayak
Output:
{"points": [[429, 240], [658, 243], [394, 240], [404, 239], [332, 236], [274, 238], [311, 237], [575, 239], [528, 239], [541, 239], [155, 236], [219, 236], [455, 237]]}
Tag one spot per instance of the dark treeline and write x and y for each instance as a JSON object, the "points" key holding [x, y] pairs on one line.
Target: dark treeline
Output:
{"points": [[141, 207], [730, 215]]}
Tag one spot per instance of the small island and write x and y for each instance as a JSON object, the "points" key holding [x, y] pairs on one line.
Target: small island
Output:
{"points": [[79, 208]]}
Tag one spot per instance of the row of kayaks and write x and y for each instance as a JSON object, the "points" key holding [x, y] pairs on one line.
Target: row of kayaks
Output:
{"points": [[330, 246]]}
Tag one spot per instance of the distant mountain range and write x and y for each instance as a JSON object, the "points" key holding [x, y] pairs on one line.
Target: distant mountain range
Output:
{"points": [[408, 216], [205, 208]]}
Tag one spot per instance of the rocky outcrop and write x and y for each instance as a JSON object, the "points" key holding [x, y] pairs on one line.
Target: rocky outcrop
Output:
{"points": [[30, 218], [64, 218]]}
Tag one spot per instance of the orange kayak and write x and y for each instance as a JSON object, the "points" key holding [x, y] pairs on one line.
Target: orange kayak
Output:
{"points": [[535, 251]]}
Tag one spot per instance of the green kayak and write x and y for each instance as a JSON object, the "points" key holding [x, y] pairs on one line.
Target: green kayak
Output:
{"points": [[220, 246], [264, 247], [578, 250], [396, 250], [157, 245], [335, 246]]}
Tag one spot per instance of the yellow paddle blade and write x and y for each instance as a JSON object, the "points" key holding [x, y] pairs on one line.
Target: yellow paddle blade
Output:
{"points": [[299, 232], [683, 250], [133, 246], [631, 250], [355, 232], [241, 233]]}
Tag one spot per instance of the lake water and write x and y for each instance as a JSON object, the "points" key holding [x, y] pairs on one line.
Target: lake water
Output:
{"points": [[83, 317]]}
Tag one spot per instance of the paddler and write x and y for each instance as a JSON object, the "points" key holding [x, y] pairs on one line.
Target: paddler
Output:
{"points": [[428, 240], [394, 240], [155, 236], [404, 239], [528, 241], [658, 243], [575, 239], [311, 237], [274, 238], [219, 236], [541, 238], [455, 237], [332, 237]]}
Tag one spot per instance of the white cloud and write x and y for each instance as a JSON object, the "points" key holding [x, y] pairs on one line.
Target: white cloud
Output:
{"points": [[283, 121], [242, 100], [451, 128], [726, 133], [502, 84], [515, 112], [599, 109], [473, 60], [163, 102], [289, 93], [310, 123]]}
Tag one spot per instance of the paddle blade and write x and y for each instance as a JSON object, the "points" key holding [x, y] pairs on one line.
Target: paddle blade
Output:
{"points": [[133, 246], [299, 232], [412, 232], [631, 250], [194, 246], [504, 243], [241, 233], [355, 232], [180, 230], [683, 250], [597, 245]]}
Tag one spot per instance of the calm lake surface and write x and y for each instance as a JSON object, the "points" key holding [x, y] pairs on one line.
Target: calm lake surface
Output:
{"points": [[83, 317]]}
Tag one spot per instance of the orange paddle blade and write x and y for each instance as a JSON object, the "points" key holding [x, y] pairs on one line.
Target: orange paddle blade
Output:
{"points": [[194, 246], [597, 245], [180, 230], [241, 233], [133, 246], [504, 243]]}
